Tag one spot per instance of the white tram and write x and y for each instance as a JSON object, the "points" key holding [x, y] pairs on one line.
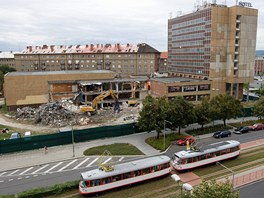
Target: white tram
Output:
{"points": [[211, 153], [98, 180]]}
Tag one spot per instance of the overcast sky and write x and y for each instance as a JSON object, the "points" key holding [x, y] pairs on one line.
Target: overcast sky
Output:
{"points": [[72, 22]]}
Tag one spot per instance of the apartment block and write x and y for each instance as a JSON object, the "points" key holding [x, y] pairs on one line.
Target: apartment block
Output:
{"points": [[124, 60], [215, 43], [7, 58], [259, 66]]}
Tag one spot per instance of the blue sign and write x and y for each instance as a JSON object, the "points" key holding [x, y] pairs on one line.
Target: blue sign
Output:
{"points": [[245, 4]]}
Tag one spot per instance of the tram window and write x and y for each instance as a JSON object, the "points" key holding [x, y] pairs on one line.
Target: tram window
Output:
{"points": [[163, 166], [145, 171], [217, 153], [189, 160], [116, 178], [137, 173], [97, 182], [155, 168], [92, 183], [87, 183], [202, 157], [126, 175]]}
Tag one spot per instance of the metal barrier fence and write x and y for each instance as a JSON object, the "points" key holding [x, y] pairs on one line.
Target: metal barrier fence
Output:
{"points": [[249, 178], [61, 138]]}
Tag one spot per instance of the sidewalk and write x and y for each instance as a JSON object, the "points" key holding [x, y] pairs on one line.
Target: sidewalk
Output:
{"points": [[64, 152]]}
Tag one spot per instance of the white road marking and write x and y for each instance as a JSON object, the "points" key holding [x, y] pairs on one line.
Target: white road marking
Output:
{"points": [[27, 177], [10, 179], [53, 167], [121, 159], [107, 160], [35, 175], [1, 181], [19, 178], [67, 165], [40, 169], [26, 171], [13, 172], [81, 163], [92, 162], [2, 173]]}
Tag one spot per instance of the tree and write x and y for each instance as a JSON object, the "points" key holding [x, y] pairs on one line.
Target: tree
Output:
{"points": [[153, 114], [226, 107], [246, 88], [181, 112], [203, 112], [209, 189], [4, 69], [258, 109], [260, 92]]}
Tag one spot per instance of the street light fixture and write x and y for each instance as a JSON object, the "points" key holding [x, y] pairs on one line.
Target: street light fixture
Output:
{"points": [[164, 132], [233, 174], [73, 150], [185, 186]]}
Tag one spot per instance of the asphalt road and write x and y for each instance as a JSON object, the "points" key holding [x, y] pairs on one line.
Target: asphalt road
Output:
{"points": [[254, 190], [18, 180], [246, 137]]}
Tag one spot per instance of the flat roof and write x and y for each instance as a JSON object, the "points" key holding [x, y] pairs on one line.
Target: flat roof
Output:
{"points": [[177, 79], [58, 72], [89, 82]]}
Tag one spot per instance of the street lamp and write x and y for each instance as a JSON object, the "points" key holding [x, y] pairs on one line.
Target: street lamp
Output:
{"points": [[233, 174], [185, 186], [73, 151], [164, 132]]}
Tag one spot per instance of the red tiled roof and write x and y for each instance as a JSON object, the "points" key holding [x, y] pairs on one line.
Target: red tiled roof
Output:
{"points": [[92, 48]]}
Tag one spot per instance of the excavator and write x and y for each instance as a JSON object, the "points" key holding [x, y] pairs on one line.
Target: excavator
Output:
{"points": [[94, 104]]}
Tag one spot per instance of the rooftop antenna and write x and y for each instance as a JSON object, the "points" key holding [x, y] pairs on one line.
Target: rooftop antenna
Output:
{"points": [[170, 15]]}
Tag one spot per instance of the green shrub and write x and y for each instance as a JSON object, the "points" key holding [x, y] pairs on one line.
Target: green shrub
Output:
{"points": [[52, 190]]}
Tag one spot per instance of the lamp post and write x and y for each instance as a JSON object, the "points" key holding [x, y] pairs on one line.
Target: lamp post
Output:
{"points": [[233, 174], [185, 186], [164, 131], [73, 151]]}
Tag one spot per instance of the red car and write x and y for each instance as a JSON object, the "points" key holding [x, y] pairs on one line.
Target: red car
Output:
{"points": [[183, 141], [257, 126]]}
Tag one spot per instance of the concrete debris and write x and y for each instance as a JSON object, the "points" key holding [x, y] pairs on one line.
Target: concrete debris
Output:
{"points": [[64, 113]]}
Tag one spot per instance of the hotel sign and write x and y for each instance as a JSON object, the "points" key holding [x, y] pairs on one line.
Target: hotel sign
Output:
{"points": [[245, 4]]}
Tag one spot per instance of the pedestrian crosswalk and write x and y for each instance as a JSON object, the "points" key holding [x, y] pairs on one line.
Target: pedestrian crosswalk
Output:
{"points": [[73, 164]]}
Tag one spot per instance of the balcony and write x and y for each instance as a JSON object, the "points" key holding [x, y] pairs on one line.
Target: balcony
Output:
{"points": [[236, 53], [237, 21]]}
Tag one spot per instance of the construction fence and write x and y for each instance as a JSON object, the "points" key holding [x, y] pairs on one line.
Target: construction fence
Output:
{"points": [[66, 137]]}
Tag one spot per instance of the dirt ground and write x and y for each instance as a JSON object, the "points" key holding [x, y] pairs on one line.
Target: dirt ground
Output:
{"points": [[103, 117]]}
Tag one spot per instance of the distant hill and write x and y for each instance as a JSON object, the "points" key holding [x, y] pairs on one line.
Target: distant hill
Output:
{"points": [[259, 52]]}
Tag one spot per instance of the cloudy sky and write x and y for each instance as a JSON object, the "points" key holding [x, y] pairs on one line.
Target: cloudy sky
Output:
{"points": [[72, 22]]}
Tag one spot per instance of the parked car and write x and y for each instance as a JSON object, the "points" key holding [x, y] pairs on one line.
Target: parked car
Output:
{"points": [[27, 134], [15, 135], [220, 134], [256, 127], [237, 129], [243, 130], [184, 140], [5, 130]]}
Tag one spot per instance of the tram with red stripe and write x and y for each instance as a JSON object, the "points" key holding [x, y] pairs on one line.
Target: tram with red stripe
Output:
{"points": [[192, 158], [99, 180]]}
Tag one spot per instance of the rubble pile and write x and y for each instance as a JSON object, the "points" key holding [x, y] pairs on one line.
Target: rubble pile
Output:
{"points": [[54, 114], [25, 113]]}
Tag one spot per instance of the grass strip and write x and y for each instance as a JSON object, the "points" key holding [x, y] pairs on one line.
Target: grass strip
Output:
{"points": [[114, 149]]}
